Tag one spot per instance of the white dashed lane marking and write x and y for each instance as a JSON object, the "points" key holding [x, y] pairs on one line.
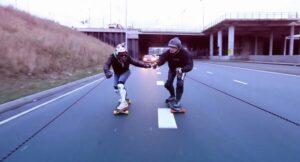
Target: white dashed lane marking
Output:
{"points": [[208, 72], [160, 83], [240, 82], [166, 119]]}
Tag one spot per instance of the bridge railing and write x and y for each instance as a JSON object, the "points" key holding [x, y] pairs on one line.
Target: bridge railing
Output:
{"points": [[178, 29], [255, 16]]}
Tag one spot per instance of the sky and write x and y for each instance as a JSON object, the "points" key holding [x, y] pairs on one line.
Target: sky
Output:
{"points": [[146, 14]]}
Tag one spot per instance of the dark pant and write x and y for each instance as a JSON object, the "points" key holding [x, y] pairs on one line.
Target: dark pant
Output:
{"points": [[121, 78], [179, 85]]}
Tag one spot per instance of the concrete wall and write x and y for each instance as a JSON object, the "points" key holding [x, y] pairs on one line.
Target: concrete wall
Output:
{"points": [[246, 46], [245, 57], [261, 58], [276, 58], [260, 48]]}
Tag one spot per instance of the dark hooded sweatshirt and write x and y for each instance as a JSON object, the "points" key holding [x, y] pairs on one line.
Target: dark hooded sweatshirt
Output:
{"points": [[181, 59], [121, 67]]}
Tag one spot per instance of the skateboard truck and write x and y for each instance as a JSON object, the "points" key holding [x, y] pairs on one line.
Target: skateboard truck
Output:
{"points": [[117, 112]]}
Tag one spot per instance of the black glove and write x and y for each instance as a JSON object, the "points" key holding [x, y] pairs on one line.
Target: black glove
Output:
{"points": [[108, 74], [154, 66], [147, 66]]}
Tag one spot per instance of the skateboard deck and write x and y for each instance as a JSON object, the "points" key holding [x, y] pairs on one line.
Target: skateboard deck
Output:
{"points": [[174, 110], [117, 112], [126, 112]]}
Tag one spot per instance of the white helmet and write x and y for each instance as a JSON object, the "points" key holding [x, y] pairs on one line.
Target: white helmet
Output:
{"points": [[121, 48]]}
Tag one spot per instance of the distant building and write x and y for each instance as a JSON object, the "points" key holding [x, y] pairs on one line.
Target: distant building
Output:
{"points": [[115, 26]]}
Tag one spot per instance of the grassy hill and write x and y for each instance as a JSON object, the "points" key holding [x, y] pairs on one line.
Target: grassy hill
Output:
{"points": [[35, 50]]}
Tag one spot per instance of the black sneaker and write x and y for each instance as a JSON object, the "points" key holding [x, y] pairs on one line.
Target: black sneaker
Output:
{"points": [[176, 105], [170, 99]]}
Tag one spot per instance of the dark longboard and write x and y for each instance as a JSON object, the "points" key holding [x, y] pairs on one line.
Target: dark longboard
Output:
{"points": [[176, 110]]}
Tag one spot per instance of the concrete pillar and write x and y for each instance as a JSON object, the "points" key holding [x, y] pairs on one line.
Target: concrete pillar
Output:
{"points": [[230, 51], [129, 49], [256, 45], [299, 44], [98, 35], [104, 38], [220, 43], [116, 39], [125, 37], [137, 47], [111, 39], [133, 48], [271, 44], [291, 52], [121, 38], [211, 44], [284, 46]]}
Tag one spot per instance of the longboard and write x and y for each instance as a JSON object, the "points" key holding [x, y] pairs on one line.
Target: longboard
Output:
{"points": [[117, 112], [174, 110], [126, 112]]}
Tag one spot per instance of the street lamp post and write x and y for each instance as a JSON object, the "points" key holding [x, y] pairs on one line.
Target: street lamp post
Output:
{"points": [[89, 24], [126, 46], [203, 12], [110, 12]]}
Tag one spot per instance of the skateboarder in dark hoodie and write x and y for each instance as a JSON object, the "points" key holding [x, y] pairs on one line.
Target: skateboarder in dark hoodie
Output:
{"points": [[180, 62], [120, 61]]}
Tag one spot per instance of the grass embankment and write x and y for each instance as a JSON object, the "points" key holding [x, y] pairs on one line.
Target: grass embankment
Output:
{"points": [[38, 54]]}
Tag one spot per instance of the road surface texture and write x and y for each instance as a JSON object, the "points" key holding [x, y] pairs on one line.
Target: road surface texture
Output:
{"points": [[235, 113]]}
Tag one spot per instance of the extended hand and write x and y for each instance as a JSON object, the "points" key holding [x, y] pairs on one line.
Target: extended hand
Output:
{"points": [[154, 66], [147, 66], [108, 74]]}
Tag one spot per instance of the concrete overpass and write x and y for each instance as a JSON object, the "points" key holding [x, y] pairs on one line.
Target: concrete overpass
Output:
{"points": [[247, 36], [139, 40], [261, 37], [197, 43]]}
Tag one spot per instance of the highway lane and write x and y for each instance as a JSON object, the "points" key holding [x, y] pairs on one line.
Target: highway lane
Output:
{"points": [[286, 69], [222, 122], [274, 92]]}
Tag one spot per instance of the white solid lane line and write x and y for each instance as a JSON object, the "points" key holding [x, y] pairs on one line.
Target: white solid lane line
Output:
{"points": [[46, 103], [240, 82], [166, 119], [262, 71], [158, 73], [160, 83]]}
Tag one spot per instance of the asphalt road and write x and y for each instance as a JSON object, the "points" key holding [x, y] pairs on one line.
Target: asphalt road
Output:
{"points": [[233, 114]]}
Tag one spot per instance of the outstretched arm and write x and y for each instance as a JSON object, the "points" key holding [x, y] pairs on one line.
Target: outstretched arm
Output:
{"points": [[162, 59], [188, 63], [138, 63]]}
